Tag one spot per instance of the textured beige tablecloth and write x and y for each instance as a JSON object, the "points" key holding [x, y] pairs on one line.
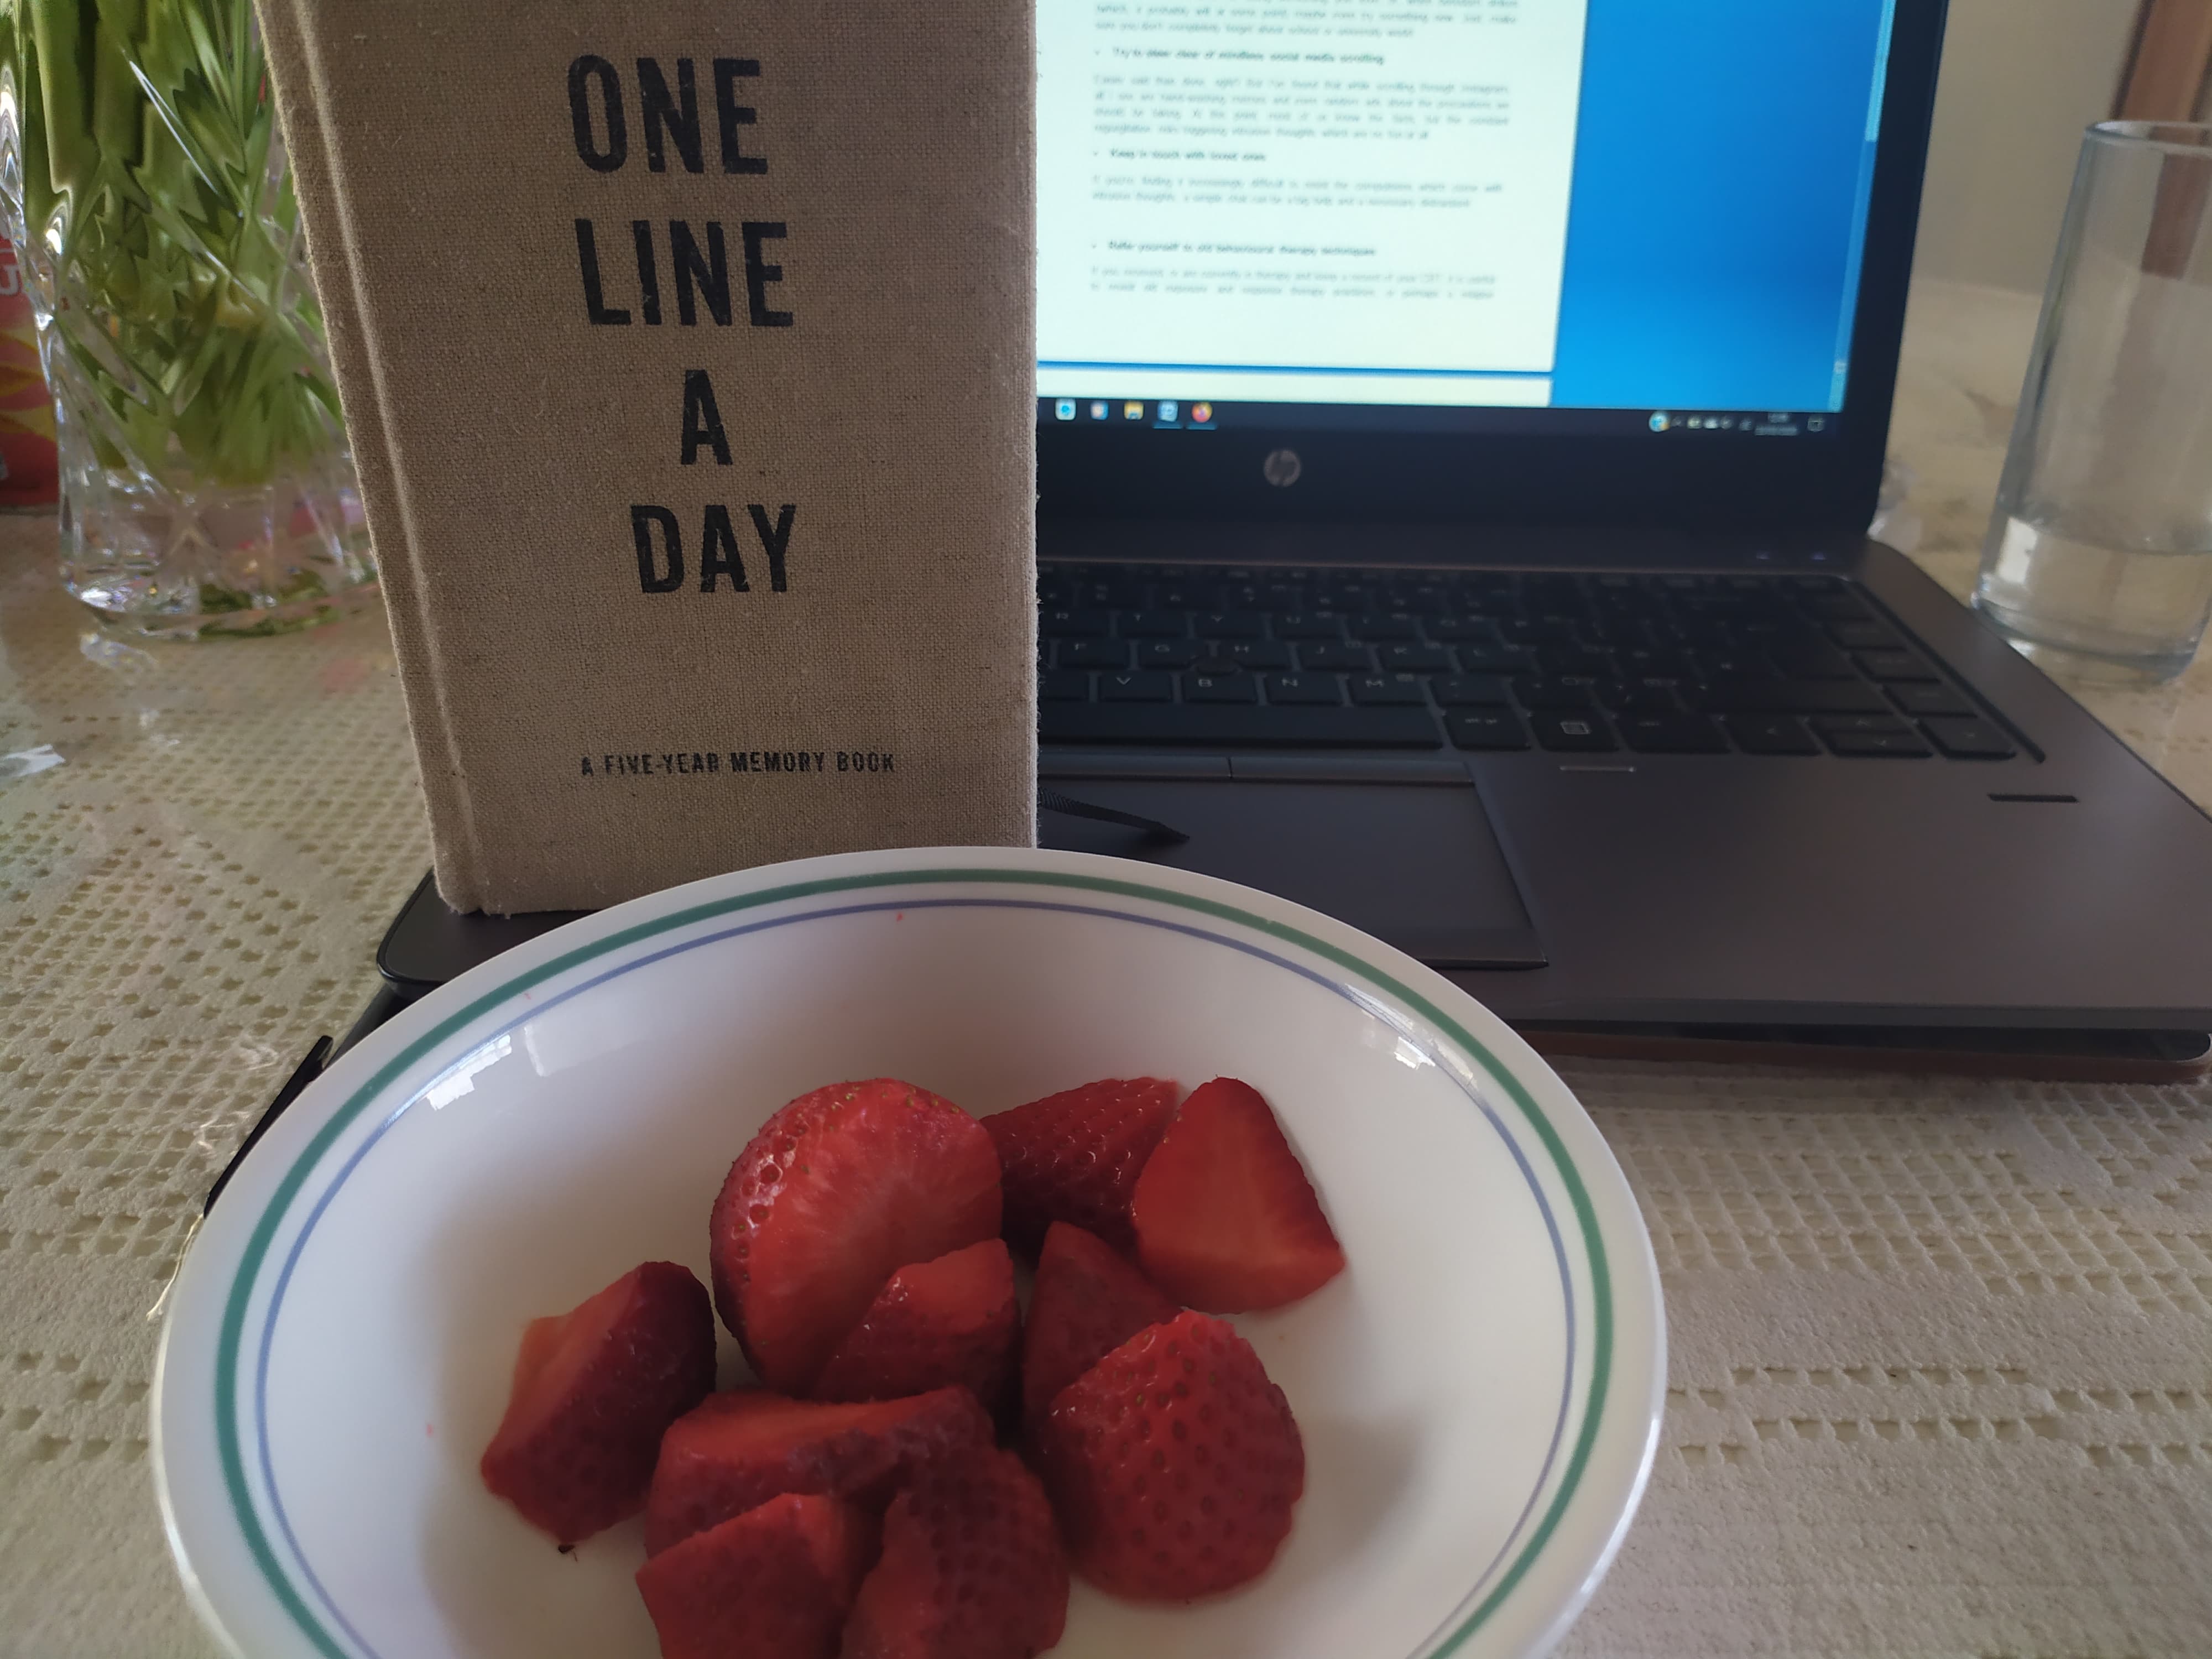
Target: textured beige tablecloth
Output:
{"points": [[1941, 1352]]}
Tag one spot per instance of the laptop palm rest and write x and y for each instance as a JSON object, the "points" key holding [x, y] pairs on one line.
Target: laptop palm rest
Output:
{"points": [[1413, 863]]}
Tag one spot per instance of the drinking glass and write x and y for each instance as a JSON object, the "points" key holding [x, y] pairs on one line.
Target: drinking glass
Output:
{"points": [[2099, 557]]}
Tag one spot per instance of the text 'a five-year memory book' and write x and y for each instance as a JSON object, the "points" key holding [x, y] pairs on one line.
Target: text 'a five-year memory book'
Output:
{"points": [[687, 352]]}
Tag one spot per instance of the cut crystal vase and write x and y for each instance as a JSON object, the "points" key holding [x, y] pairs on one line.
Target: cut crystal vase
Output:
{"points": [[206, 484]]}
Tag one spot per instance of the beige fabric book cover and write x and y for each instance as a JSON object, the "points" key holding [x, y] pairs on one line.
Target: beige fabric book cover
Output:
{"points": [[688, 358]]}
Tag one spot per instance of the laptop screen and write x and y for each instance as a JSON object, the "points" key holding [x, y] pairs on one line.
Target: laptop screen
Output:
{"points": [[1533, 216]]}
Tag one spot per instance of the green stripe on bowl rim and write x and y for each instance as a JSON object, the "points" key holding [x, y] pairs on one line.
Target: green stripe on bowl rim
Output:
{"points": [[232, 1331]]}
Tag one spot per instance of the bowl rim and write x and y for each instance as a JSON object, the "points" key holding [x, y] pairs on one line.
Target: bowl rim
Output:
{"points": [[1623, 1278]]}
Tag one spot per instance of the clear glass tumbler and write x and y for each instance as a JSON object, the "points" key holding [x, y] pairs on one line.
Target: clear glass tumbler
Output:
{"points": [[2098, 559]]}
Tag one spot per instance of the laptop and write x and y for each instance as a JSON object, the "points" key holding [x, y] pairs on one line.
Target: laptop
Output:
{"points": [[1458, 428]]}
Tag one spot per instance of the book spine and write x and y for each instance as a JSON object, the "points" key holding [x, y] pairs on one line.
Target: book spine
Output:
{"points": [[297, 75]]}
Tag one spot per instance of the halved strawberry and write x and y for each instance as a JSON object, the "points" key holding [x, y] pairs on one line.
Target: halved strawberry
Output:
{"points": [[1225, 1217], [1173, 1463], [593, 1388], [838, 1190], [774, 1583], [953, 1321], [971, 1568], [1074, 1156], [743, 1448], [1087, 1303]]}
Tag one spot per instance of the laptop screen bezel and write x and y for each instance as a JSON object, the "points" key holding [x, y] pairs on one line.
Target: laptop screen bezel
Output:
{"points": [[1824, 482]]}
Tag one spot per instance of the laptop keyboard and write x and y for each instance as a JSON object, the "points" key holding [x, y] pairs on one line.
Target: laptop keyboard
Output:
{"points": [[1576, 663]]}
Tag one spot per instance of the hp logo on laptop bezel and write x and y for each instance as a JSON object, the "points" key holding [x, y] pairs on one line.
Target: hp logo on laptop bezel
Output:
{"points": [[1282, 468]]}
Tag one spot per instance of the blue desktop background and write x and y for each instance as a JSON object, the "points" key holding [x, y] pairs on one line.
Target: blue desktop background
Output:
{"points": [[1721, 171]]}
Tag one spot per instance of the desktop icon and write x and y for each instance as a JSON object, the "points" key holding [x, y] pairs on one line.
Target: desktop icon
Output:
{"points": [[1098, 410], [1167, 409], [1660, 420], [1695, 423], [1201, 413], [1065, 409], [1133, 412]]}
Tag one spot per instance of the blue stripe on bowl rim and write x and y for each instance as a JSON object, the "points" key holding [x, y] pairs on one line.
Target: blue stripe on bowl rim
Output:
{"points": [[230, 1400]]}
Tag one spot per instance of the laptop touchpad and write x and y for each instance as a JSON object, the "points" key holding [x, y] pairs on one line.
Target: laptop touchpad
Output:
{"points": [[1415, 865]]}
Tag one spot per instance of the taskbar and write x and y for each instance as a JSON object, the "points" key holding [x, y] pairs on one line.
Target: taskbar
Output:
{"points": [[1179, 415]]}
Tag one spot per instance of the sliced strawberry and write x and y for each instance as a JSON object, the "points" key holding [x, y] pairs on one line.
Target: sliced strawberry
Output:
{"points": [[1087, 1303], [1173, 1463], [1225, 1217], [971, 1568], [1074, 1156], [743, 1448], [593, 1388], [838, 1191], [953, 1321], [774, 1583]]}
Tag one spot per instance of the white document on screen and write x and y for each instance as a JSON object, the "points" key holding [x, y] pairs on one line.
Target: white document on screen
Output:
{"points": [[1337, 202]]}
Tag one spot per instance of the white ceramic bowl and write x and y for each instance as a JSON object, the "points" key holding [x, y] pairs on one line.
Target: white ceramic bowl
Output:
{"points": [[1479, 1393]]}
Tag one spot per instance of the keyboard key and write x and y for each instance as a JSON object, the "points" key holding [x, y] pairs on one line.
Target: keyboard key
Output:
{"points": [[1220, 688], [1063, 686], [1472, 630], [1672, 734], [1634, 697], [1776, 696], [1383, 690], [1580, 733], [1891, 745], [1259, 654], [1969, 739], [1070, 624], [1168, 653], [1837, 606], [1313, 690], [1308, 625], [1730, 664], [1379, 626], [1230, 624], [1142, 686], [1416, 659], [1812, 659], [1617, 633], [1537, 631], [1494, 659], [1470, 691], [1184, 594], [1211, 726], [1336, 659], [1930, 700], [1568, 661], [1639, 663], [1894, 665], [1156, 625], [1429, 598], [1882, 724], [1561, 695], [1094, 653], [1487, 729], [1771, 734], [1865, 637]]}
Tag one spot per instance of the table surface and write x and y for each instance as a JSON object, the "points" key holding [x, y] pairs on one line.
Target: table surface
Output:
{"points": [[1941, 1350]]}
